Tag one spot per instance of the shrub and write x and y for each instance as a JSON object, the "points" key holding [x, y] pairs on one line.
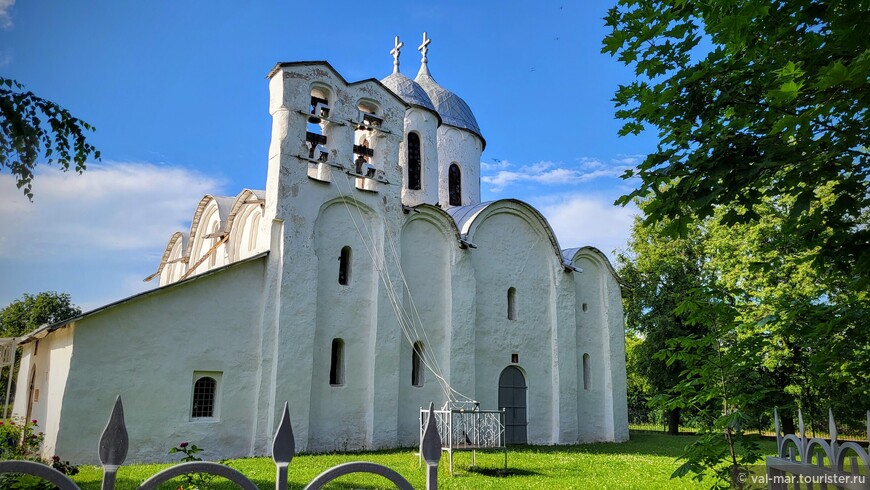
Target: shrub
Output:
{"points": [[19, 440]]}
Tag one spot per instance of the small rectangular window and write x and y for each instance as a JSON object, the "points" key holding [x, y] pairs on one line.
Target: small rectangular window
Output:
{"points": [[417, 364]]}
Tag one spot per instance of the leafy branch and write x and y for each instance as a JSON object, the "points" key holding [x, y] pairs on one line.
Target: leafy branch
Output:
{"points": [[30, 127]]}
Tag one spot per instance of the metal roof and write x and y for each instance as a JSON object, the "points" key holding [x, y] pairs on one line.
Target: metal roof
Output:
{"points": [[409, 90], [464, 215], [46, 329], [453, 110]]}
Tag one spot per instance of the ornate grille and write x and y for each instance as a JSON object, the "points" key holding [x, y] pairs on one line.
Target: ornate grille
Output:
{"points": [[414, 161], [203, 397]]}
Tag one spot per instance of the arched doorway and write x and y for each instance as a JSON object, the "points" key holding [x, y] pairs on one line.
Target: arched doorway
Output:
{"points": [[512, 398]]}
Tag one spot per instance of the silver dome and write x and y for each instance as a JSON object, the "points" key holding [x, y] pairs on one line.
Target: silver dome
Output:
{"points": [[453, 110], [409, 91]]}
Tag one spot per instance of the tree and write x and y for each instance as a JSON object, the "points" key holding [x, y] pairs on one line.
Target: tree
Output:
{"points": [[743, 323], [24, 135], [752, 100], [660, 270], [32, 311]]}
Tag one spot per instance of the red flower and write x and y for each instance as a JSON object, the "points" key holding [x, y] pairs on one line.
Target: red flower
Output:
{"points": [[1, 422], [183, 444], [33, 421], [55, 458]]}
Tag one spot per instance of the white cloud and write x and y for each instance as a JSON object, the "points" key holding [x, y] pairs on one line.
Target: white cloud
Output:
{"points": [[580, 220], [551, 173], [5, 18], [88, 234]]}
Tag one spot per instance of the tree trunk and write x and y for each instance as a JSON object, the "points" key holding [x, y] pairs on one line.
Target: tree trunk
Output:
{"points": [[674, 421]]}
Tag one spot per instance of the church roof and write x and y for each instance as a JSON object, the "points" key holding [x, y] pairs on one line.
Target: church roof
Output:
{"points": [[453, 110], [409, 90], [46, 329]]}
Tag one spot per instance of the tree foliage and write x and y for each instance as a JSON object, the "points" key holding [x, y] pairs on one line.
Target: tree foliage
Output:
{"points": [[31, 127], [32, 311], [737, 321], [659, 270], [753, 100]]}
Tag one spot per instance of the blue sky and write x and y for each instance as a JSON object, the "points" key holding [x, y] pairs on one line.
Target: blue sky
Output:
{"points": [[178, 94]]}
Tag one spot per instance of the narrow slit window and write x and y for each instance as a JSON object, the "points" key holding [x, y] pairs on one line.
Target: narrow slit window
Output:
{"points": [[454, 185], [344, 266], [512, 304], [417, 364], [414, 162], [586, 374], [336, 363], [203, 397]]}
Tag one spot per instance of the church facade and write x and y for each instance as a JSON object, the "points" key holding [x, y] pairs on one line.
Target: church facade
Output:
{"points": [[365, 281]]}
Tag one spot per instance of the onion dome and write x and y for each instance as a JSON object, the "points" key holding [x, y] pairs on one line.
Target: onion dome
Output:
{"points": [[409, 91], [453, 110]]}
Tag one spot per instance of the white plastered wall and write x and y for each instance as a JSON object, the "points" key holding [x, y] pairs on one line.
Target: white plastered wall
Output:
{"points": [[146, 350], [603, 412], [425, 124], [52, 361], [295, 200], [340, 414], [511, 252], [462, 147], [426, 250]]}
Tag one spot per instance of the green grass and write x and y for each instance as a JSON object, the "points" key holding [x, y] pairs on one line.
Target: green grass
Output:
{"points": [[646, 461]]}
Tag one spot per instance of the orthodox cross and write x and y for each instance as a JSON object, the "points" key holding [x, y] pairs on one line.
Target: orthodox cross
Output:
{"points": [[424, 48], [395, 52]]}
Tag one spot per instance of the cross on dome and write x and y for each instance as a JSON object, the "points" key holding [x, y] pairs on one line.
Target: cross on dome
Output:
{"points": [[424, 48], [397, 46]]}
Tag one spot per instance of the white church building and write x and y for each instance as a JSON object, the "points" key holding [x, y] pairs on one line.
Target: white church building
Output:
{"points": [[365, 281]]}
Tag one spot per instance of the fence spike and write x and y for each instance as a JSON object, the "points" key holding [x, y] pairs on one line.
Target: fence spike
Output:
{"points": [[868, 426], [801, 424], [114, 441], [832, 427], [284, 444], [431, 446]]}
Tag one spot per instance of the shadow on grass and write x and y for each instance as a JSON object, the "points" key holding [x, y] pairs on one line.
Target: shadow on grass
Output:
{"points": [[638, 444], [501, 472], [642, 443]]}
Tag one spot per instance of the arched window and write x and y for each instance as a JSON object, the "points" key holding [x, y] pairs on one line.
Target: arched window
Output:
{"points": [[315, 136], [368, 121], [417, 364], [414, 161], [586, 374], [336, 363], [512, 303], [203, 397], [344, 266], [454, 185]]}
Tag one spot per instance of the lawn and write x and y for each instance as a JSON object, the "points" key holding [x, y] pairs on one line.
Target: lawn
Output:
{"points": [[646, 461]]}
